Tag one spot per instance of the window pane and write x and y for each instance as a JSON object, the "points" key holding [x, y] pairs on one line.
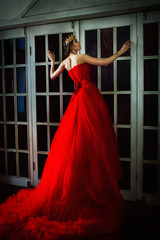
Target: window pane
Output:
{"points": [[40, 78], [68, 83], [20, 50], [41, 162], [125, 182], [123, 109], [0, 53], [8, 51], [54, 108], [42, 138], [2, 162], [41, 109], [22, 137], [1, 136], [123, 75], [109, 100], [9, 82], [10, 136], [11, 163], [151, 75], [106, 42], [21, 80], [54, 84], [1, 108], [150, 110], [150, 178], [53, 44], [53, 130], [64, 35], [21, 109], [124, 141], [40, 49], [10, 108], [150, 139], [23, 164], [91, 42], [150, 32], [0, 80], [94, 74], [123, 35], [66, 100], [107, 78]]}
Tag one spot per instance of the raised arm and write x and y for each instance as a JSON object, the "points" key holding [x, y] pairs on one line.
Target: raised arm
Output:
{"points": [[54, 74], [104, 62]]}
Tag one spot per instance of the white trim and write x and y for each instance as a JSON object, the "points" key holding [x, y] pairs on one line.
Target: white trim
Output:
{"points": [[12, 33], [11, 180]]}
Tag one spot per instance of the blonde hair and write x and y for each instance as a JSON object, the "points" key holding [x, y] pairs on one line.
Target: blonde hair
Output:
{"points": [[68, 42]]}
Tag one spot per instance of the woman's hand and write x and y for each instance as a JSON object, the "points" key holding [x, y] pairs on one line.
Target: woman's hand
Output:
{"points": [[51, 56], [125, 46]]}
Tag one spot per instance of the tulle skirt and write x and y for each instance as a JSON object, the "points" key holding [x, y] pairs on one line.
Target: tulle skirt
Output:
{"points": [[78, 196]]}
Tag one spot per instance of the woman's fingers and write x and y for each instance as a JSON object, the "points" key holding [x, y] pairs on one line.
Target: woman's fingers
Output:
{"points": [[51, 55], [129, 42]]}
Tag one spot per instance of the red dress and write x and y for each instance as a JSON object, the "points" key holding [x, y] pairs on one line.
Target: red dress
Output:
{"points": [[78, 196]]}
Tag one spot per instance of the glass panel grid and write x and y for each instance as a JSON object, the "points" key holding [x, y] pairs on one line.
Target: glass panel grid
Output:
{"points": [[14, 107], [151, 104], [52, 96], [114, 82]]}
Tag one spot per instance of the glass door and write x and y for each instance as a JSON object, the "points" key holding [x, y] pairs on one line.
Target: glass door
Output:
{"points": [[49, 97], [15, 122], [148, 185], [117, 83]]}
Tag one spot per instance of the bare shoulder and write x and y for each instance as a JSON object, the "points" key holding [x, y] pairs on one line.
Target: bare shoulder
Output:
{"points": [[80, 58], [66, 63], [63, 63]]}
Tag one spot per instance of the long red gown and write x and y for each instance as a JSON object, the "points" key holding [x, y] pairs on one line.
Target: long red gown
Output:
{"points": [[78, 196]]}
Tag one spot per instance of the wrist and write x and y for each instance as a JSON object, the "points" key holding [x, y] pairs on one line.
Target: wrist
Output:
{"points": [[119, 53]]}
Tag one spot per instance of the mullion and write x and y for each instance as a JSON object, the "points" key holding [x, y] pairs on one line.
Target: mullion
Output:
{"points": [[4, 111], [60, 77], [99, 55], [158, 163], [15, 106], [47, 93], [115, 77]]}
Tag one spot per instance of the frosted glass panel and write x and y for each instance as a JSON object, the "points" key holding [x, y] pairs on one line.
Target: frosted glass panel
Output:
{"points": [[106, 42], [40, 49], [150, 32], [123, 109], [40, 78], [9, 82], [8, 52], [23, 164], [91, 42], [20, 50]]}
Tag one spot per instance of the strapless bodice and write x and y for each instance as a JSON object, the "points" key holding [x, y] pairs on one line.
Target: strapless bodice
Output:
{"points": [[80, 74]]}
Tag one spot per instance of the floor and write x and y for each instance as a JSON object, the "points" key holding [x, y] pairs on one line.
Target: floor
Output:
{"points": [[141, 221]]}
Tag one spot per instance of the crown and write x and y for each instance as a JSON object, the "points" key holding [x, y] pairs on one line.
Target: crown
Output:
{"points": [[69, 39]]}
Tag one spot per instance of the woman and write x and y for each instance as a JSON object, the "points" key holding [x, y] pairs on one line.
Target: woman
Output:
{"points": [[78, 195]]}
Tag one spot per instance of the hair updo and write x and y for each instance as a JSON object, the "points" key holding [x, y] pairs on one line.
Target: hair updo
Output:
{"points": [[68, 45]]}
